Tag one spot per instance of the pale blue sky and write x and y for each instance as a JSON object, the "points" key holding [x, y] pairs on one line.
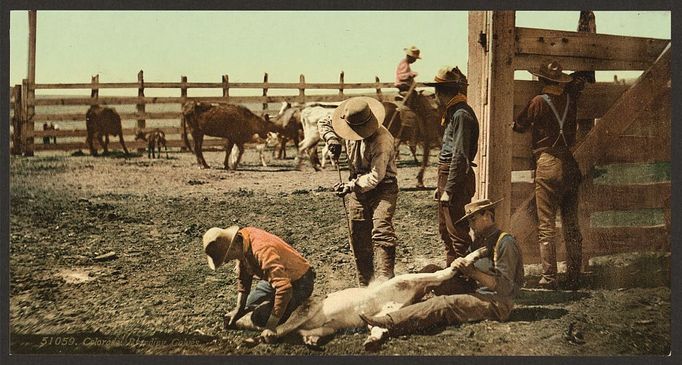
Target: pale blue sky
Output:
{"points": [[203, 45]]}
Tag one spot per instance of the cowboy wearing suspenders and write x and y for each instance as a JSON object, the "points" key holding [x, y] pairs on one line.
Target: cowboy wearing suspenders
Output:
{"points": [[557, 176]]}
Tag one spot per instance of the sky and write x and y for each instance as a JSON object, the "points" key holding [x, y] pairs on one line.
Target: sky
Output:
{"points": [[203, 45]]}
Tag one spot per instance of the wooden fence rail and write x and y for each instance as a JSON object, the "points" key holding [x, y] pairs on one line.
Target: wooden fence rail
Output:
{"points": [[141, 113]]}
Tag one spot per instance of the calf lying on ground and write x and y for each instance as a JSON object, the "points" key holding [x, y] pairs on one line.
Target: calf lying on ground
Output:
{"points": [[155, 139], [318, 318]]}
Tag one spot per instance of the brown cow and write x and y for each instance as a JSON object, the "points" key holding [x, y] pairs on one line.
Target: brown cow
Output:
{"points": [[101, 122], [426, 129], [235, 123], [289, 121], [155, 139]]}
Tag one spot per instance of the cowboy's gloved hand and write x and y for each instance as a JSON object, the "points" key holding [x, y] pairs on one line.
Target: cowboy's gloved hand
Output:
{"points": [[341, 189], [334, 149], [436, 196], [445, 197]]}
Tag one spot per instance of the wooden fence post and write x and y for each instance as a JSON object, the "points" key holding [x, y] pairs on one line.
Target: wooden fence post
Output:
{"points": [[17, 121], [94, 92], [378, 88], [28, 110], [226, 88], [301, 89], [183, 95], [341, 86], [265, 91], [141, 123]]}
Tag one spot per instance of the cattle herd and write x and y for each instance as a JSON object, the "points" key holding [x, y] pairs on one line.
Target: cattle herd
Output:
{"points": [[294, 122]]}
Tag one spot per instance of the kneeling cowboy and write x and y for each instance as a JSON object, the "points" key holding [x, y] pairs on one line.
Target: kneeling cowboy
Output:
{"points": [[372, 185], [286, 277]]}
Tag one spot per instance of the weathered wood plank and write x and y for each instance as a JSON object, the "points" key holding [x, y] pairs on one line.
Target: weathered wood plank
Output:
{"points": [[219, 85], [556, 43], [490, 68], [600, 197], [83, 132], [649, 87], [632, 149], [595, 101], [117, 146], [208, 99], [525, 62]]}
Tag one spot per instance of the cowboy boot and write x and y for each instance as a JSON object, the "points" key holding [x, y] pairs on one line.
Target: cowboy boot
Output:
{"points": [[549, 267], [385, 262]]}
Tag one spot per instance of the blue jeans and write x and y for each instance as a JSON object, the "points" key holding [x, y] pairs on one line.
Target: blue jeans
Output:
{"points": [[264, 292]]}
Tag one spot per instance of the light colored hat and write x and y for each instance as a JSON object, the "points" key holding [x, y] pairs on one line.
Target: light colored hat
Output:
{"points": [[551, 71], [449, 76], [412, 51], [477, 206], [217, 242], [358, 118]]}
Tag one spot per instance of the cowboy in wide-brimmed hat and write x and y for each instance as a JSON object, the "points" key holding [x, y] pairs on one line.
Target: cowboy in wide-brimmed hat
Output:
{"points": [[372, 188], [456, 180], [286, 277], [485, 289], [552, 118], [404, 76]]}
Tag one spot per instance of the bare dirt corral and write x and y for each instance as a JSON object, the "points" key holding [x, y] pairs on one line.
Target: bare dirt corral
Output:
{"points": [[156, 295]]}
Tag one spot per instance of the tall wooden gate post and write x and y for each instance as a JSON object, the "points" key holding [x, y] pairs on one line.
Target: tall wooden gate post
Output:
{"points": [[141, 123], [17, 121], [491, 94]]}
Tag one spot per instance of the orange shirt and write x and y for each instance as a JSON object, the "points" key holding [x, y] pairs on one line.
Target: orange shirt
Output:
{"points": [[270, 258]]}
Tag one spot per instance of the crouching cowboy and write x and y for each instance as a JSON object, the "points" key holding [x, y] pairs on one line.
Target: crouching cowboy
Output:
{"points": [[286, 277], [499, 277]]}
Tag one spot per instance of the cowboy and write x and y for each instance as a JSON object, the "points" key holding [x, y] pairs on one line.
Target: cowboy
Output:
{"points": [[456, 180], [551, 116], [404, 76], [499, 276], [286, 278], [372, 187]]}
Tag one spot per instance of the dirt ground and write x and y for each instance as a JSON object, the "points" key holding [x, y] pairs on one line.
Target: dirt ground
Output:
{"points": [[156, 295]]}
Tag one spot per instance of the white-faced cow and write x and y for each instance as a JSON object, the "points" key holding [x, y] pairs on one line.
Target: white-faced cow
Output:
{"points": [[100, 123], [235, 123], [310, 115]]}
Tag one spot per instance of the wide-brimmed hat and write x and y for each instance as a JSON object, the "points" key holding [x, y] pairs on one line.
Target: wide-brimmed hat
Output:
{"points": [[449, 76], [217, 242], [551, 71], [477, 206], [358, 118], [412, 51]]}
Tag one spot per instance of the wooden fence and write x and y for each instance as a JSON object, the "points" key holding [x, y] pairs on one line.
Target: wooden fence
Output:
{"points": [[27, 120], [621, 133]]}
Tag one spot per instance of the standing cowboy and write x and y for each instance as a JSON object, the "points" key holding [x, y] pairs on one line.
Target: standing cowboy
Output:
{"points": [[551, 116], [372, 187], [499, 276], [286, 277], [456, 180]]}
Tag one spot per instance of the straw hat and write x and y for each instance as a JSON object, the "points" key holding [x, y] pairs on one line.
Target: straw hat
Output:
{"points": [[551, 71], [477, 206], [449, 76], [412, 51], [217, 242], [358, 118]]}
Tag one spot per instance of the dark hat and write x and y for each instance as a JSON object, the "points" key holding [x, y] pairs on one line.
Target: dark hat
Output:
{"points": [[448, 76], [551, 71], [477, 206], [358, 118]]}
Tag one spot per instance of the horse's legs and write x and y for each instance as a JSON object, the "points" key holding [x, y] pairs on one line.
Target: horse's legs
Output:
{"points": [[240, 146]]}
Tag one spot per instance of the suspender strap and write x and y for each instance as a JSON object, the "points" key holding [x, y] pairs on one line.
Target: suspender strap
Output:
{"points": [[499, 238], [559, 120]]}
